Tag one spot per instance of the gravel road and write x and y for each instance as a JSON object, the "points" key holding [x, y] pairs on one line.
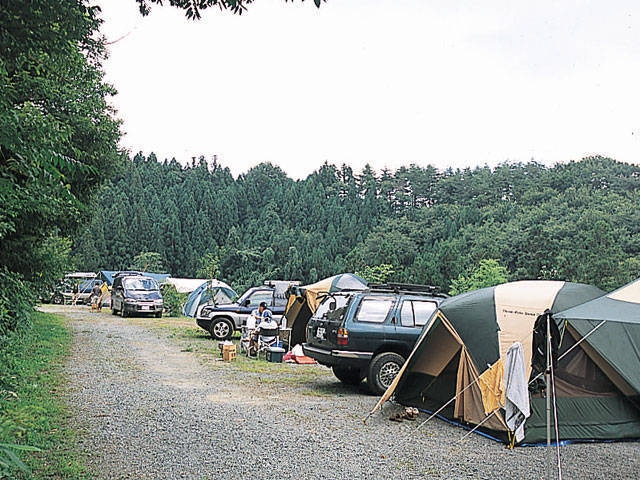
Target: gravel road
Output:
{"points": [[150, 403]]}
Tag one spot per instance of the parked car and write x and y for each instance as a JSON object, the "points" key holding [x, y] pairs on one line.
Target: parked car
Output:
{"points": [[369, 334], [135, 294], [77, 284], [221, 321]]}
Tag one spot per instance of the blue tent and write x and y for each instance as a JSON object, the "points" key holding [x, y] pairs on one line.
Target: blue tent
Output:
{"points": [[211, 291], [107, 276]]}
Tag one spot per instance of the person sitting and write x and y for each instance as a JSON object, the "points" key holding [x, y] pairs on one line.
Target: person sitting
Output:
{"points": [[267, 323], [257, 313]]}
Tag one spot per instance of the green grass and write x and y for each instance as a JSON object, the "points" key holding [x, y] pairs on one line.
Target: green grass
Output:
{"points": [[32, 411]]}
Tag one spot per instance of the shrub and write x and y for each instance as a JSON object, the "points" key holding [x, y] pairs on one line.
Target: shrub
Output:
{"points": [[173, 300], [16, 303]]}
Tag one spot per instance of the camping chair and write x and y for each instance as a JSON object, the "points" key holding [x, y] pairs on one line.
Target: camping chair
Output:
{"points": [[268, 337], [246, 332]]}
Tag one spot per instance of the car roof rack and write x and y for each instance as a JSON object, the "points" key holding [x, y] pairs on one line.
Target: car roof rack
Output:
{"points": [[406, 288], [124, 273]]}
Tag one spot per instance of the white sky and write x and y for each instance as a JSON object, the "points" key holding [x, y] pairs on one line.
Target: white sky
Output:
{"points": [[385, 82]]}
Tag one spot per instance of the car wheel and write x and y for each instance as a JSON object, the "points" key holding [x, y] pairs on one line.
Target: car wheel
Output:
{"points": [[158, 314], [382, 370], [123, 312], [348, 376], [221, 329], [58, 299]]}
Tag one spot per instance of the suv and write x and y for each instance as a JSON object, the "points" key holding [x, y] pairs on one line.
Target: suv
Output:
{"points": [[221, 321], [134, 293], [370, 333]]}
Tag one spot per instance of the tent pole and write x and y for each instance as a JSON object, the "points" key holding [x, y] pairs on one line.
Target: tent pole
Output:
{"points": [[547, 391]]}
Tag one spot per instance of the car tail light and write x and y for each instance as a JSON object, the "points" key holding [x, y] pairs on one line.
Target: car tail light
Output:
{"points": [[343, 336]]}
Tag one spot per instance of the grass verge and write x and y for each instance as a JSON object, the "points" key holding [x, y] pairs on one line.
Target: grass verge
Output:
{"points": [[32, 411]]}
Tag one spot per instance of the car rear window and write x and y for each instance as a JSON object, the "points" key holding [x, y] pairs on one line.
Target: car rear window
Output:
{"points": [[374, 310], [324, 309]]}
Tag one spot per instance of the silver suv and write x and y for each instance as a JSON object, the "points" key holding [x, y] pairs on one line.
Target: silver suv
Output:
{"points": [[221, 321]]}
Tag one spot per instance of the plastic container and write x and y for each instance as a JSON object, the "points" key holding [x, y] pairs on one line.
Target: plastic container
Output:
{"points": [[275, 354]]}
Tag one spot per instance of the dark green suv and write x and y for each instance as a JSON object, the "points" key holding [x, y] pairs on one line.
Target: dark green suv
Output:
{"points": [[370, 333]]}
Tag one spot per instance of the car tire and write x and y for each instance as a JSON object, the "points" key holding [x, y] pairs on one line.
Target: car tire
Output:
{"points": [[58, 299], [347, 375], [123, 312], [383, 369], [158, 314], [221, 329]]}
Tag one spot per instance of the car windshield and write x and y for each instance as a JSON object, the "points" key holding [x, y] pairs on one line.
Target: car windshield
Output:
{"points": [[140, 284]]}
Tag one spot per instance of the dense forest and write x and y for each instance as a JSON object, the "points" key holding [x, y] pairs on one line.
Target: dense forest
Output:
{"points": [[578, 221]]}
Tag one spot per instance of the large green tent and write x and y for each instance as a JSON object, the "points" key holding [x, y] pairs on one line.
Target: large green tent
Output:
{"points": [[304, 300], [457, 366], [601, 343]]}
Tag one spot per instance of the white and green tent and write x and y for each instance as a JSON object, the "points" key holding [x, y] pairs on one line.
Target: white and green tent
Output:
{"points": [[457, 365]]}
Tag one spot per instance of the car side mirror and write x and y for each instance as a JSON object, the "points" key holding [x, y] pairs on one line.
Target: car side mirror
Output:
{"points": [[332, 305], [393, 320], [247, 302]]}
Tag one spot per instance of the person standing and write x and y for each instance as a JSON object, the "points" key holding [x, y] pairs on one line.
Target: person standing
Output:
{"points": [[96, 296]]}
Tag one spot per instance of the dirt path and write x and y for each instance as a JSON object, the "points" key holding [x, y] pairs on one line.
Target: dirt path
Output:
{"points": [[157, 403]]}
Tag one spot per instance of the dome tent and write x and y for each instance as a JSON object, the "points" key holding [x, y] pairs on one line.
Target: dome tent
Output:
{"points": [[209, 291], [303, 300], [458, 357]]}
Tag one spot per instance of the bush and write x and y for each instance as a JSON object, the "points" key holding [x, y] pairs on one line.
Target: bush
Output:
{"points": [[16, 304], [173, 300]]}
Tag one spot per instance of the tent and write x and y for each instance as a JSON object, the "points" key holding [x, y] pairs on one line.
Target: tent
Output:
{"points": [[457, 366], [107, 276], [607, 334], [304, 300], [209, 291]]}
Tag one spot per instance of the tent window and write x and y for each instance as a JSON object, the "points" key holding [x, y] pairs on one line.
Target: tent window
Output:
{"points": [[581, 373], [374, 310]]}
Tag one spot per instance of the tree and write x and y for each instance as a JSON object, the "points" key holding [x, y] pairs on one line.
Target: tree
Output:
{"points": [[58, 134], [487, 274], [209, 265], [148, 262], [193, 8], [376, 273]]}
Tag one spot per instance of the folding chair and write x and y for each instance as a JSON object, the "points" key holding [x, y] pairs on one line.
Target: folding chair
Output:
{"points": [[268, 337]]}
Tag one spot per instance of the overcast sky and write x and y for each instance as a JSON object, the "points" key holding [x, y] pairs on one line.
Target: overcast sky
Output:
{"points": [[385, 82]]}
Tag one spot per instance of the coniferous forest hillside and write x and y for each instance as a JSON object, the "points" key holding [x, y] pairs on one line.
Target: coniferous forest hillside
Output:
{"points": [[578, 221]]}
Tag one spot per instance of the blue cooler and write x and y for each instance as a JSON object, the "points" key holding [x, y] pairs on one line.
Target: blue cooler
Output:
{"points": [[275, 354]]}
